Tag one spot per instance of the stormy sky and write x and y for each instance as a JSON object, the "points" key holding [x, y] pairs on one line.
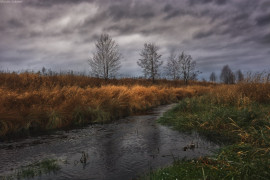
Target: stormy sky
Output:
{"points": [[60, 34]]}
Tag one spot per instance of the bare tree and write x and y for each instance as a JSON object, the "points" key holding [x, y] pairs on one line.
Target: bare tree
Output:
{"points": [[213, 77], [43, 70], [227, 76], [106, 60], [239, 76], [187, 67], [150, 61], [172, 68]]}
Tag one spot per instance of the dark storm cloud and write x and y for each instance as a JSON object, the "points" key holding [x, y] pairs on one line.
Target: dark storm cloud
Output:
{"points": [[124, 29], [62, 33], [126, 10], [203, 34], [240, 17], [233, 26], [14, 23], [172, 14], [192, 2], [219, 2], [263, 20], [50, 3], [155, 30], [266, 39], [265, 5], [168, 8]]}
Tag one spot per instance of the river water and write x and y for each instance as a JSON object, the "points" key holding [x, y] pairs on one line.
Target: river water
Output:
{"points": [[120, 150]]}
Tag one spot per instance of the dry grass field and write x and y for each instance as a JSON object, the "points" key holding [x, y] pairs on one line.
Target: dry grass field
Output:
{"points": [[33, 102]]}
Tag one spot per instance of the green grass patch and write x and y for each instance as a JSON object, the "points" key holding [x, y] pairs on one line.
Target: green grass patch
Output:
{"points": [[36, 169], [244, 131]]}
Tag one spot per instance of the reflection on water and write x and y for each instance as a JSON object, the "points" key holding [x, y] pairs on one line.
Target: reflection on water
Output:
{"points": [[119, 150]]}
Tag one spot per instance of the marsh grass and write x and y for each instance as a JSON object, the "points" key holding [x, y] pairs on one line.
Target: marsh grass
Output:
{"points": [[36, 169], [239, 119], [35, 103]]}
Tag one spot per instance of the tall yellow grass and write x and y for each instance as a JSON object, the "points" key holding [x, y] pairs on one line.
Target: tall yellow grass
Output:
{"points": [[242, 93], [34, 102], [255, 87], [31, 101], [26, 81]]}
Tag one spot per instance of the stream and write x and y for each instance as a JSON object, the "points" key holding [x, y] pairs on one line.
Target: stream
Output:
{"points": [[124, 149]]}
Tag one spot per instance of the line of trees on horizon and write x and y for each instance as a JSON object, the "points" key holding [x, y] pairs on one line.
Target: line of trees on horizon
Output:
{"points": [[106, 61], [227, 76]]}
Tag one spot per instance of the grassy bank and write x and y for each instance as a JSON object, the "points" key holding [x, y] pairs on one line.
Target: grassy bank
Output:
{"points": [[33, 103], [237, 116]]}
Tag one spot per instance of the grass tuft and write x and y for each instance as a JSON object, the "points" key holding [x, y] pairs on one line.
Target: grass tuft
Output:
{"points": [[45, 166]]}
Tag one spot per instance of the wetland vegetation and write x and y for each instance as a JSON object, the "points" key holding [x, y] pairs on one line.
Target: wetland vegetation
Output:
{"points": [[236, 116], [45, 166], [33, 102]]}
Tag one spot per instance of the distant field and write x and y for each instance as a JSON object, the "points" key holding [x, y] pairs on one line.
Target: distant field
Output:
{"points": [[32, 102]]}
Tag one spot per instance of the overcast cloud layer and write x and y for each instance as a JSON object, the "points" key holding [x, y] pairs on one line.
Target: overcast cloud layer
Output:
{"points": [[60, 34]]}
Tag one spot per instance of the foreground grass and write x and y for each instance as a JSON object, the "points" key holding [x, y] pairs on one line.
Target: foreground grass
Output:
{"points": [[239, 121], [34, 103], [36, 169]]}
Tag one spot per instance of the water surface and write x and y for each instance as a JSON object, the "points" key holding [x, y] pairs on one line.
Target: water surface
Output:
{"points": [[120, 150]]}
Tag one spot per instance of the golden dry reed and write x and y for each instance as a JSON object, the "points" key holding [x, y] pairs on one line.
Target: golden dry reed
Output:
{"points": [[242, 93], [35, 102]]}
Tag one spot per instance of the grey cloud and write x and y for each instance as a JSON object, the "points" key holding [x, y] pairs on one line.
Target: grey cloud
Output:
{"points": [[14, 23], [8, 56], [50, 3], [218, 2], [97, 20], [148, 15], [168, 8], [236, 25], [153, 30], [87, 40], [266, 39], [214, 32], [263, 20], [203, 34], [192, 2], [265, 5], [126, 10], [240, 17], [122, 29], [173, 14], [221, 2]]}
